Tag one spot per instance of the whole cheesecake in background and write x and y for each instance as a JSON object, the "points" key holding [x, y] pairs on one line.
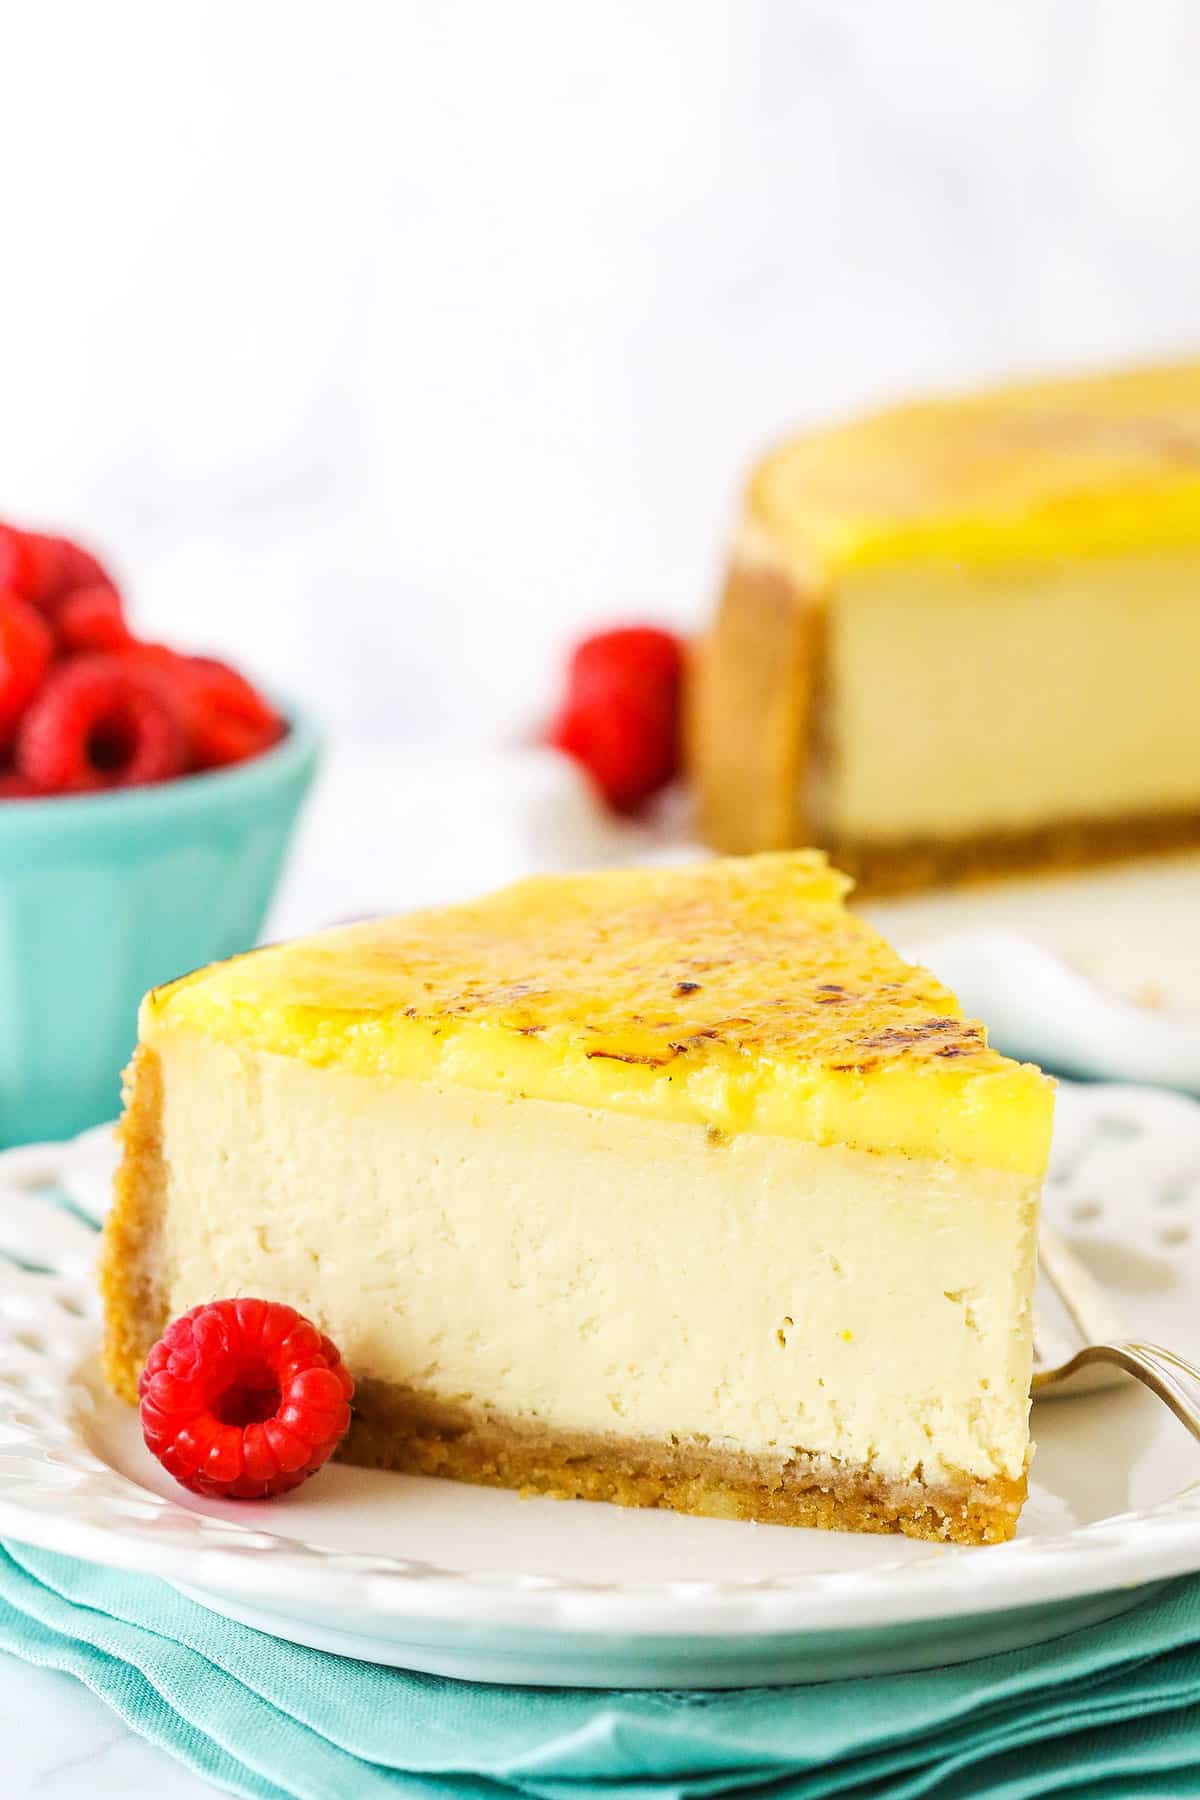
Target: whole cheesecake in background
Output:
{"points": [[675, 1188], [961, 638]]}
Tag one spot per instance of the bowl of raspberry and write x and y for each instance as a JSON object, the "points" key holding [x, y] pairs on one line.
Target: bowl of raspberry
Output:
{"points": [[147, 800]]}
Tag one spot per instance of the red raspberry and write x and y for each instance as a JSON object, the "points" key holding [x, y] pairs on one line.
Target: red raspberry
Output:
{"points": [[46, 575], [26, 652], [242, 1399], [91, 618], [43, 568], [165, 670], [230, 720], [154, 660], [97, 724], [621, 717], [227, 718], [83, 570], [17, 572]]}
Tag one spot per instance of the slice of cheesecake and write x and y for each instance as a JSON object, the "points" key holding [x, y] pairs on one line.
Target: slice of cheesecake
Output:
{"points": [[961, 638], [676, 1188]]}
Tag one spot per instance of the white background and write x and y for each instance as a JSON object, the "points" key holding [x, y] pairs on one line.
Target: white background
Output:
{"points": [[388, 344]]}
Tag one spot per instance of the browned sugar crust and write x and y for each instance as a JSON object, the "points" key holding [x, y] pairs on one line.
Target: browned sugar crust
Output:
{"points": [[755, 753], [395, 1428]]}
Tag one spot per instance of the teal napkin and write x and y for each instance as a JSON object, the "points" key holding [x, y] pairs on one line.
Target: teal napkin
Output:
{"points": [[1113, 1711]]}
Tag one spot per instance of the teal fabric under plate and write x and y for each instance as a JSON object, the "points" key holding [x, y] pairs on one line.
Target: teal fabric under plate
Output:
{"points": [[1110, 1712]]}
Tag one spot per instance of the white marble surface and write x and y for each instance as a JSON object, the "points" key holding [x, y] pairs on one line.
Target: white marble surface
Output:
{"points": [[62, 1743]]}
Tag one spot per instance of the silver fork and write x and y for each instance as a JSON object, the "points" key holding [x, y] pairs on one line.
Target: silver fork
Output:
{"points": [[1102, 1347]]}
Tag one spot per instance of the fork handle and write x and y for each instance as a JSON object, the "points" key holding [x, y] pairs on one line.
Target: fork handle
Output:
{"points": [[1171, 1377]]}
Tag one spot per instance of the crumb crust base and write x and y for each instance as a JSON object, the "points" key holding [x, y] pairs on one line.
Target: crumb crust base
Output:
{"points": [[396, 1428]]}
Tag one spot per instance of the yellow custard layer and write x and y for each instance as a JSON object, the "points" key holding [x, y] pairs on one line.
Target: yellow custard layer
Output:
{"points": [[1079, 467], [739, 994]]}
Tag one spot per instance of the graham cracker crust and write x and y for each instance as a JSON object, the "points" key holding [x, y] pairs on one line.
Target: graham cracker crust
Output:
{"points": [[134, 1312], [748, 709], [396, 1428], [883, 869], [755, 753]]}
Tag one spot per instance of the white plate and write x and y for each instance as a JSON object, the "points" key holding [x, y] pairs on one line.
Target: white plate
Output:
{"points": [[477, 1583]]}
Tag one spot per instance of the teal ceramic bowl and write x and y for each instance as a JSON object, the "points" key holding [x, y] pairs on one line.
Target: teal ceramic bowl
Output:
{"points": [[103, 896]]}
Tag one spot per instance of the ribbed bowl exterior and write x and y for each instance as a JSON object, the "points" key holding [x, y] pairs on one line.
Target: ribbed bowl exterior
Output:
{"points": [[105, 896]]}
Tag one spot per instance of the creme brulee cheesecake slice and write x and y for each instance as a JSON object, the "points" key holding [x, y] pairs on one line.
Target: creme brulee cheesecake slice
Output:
{"points": [[677, 1188], [959, 637]]}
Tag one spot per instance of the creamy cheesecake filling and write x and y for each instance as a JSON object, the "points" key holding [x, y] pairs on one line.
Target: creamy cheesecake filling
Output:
{"points": [[602, 1274], [1003, 698]]}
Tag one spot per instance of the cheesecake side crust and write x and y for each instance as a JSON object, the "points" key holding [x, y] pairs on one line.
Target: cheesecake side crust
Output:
{"points": [[758, 784], [399, 1429], [134, 1299], [750, 701]]}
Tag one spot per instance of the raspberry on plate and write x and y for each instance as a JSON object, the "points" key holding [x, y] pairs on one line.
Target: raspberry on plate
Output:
{"points": [[243, 1399], [26, 652], [621, 715], [97, 724]]}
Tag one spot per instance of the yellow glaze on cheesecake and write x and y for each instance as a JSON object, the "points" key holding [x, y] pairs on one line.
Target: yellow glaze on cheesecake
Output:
{"points": [[955, 637], [675, 1187], [741, 996]]}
